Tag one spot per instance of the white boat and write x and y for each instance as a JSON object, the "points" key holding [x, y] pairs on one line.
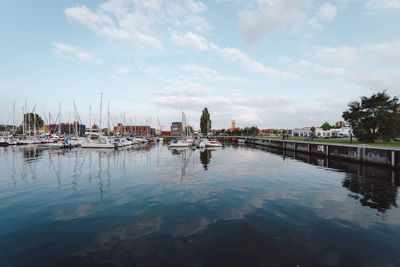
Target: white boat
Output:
{"points": [[99, 143], [179, 143], [213, 143], [4, 142], [139, 139], [241, 141]]}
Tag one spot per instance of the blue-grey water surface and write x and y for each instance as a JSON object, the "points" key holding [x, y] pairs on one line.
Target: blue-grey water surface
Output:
{"points": [[234, 206]]}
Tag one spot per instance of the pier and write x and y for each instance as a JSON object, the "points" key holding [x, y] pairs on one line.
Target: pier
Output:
{"points": [[384, 156]]}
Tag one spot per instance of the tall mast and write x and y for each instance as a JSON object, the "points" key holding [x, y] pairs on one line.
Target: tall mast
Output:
{"points": [[29, 119], [23, 120], [108, 118], [69, 123], [124, 125], [90, 122], [76, 122], [14, 118], [59, 119], [34, 120], [101, 103]]}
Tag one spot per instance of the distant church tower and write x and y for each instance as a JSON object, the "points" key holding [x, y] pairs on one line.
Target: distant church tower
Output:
{"points": [[233, 125]]}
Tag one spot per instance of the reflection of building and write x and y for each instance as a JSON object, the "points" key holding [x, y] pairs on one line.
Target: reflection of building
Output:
{"points": [[233, 127], [176, 129], [136, 130], [68, 128]]}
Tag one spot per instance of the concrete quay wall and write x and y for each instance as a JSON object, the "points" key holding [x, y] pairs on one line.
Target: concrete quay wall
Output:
{"points": [[387, 156]]}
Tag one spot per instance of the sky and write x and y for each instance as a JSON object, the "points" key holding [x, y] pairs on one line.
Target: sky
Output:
{"points": [[265, 63]]}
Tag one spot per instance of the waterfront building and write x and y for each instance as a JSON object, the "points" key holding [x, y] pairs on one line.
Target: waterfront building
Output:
{"points": [[344, 131], [233, 127], [139, 130], [165, 133], [176, 129], [66, 128]]}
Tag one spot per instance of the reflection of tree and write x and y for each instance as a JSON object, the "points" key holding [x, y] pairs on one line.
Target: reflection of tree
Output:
{"points": [[378, 192], [31, 153], [205, 158], [373, 186]]}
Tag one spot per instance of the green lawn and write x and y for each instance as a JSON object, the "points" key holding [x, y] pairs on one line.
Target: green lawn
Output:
{"points": [[339, 141]]}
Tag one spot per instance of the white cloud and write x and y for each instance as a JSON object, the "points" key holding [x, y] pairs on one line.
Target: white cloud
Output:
{"points": [[262, 17], [253, 109], [191, 40], [327, 12], [183, 89], [386, 53], [235, 55], [369, 66], [323, 71], [382, 4], [210, 75], [140, 21], [228, 54], [125, 69], [267, 17], [68, 50]]}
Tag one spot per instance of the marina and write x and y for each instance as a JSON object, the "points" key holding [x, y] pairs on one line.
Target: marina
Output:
{"points": [[242, 205]]}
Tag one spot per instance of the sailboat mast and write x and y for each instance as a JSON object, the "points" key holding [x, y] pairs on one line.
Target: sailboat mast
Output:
{"points": [[34, 120], [29, 119], [14, 118], [76, 122], [23, 120], [90, 122], [108, 118], [59, 119], [101, 107]]}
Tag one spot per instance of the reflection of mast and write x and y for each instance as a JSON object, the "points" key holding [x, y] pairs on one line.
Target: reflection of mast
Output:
{"points": [[101, 108], [54, 169], [90, 167], [100, 179], [108, 172]]}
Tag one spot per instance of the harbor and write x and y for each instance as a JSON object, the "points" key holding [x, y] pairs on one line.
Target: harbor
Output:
{"points": [[154, 205]]}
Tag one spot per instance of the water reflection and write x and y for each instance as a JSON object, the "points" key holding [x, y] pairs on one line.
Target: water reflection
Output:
{"points": [[373, 186], [128, 207], [205, 158]]}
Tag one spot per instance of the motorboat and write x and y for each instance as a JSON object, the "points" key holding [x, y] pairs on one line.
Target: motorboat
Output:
{"points": [[99, 143], [4, 142], [179, 143], [213, 143], [241, 141]]}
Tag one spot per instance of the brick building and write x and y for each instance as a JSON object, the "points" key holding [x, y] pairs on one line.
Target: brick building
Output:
{"points": [[176, 129], [133, 129]]}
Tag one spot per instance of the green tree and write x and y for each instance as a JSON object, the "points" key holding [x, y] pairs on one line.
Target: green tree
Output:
{"points": [[312, 130], [374, 117], [205, 122], [326, 126], [29, 119]]}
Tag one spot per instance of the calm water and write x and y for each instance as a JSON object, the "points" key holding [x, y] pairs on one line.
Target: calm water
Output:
{"points": [[235, 206]]}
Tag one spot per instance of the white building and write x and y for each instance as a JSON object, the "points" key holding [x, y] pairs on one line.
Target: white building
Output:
{"points": [[306, 132]]}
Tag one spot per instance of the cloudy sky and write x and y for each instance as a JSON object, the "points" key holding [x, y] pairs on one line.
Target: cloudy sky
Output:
{"points": [[270, 63]]}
